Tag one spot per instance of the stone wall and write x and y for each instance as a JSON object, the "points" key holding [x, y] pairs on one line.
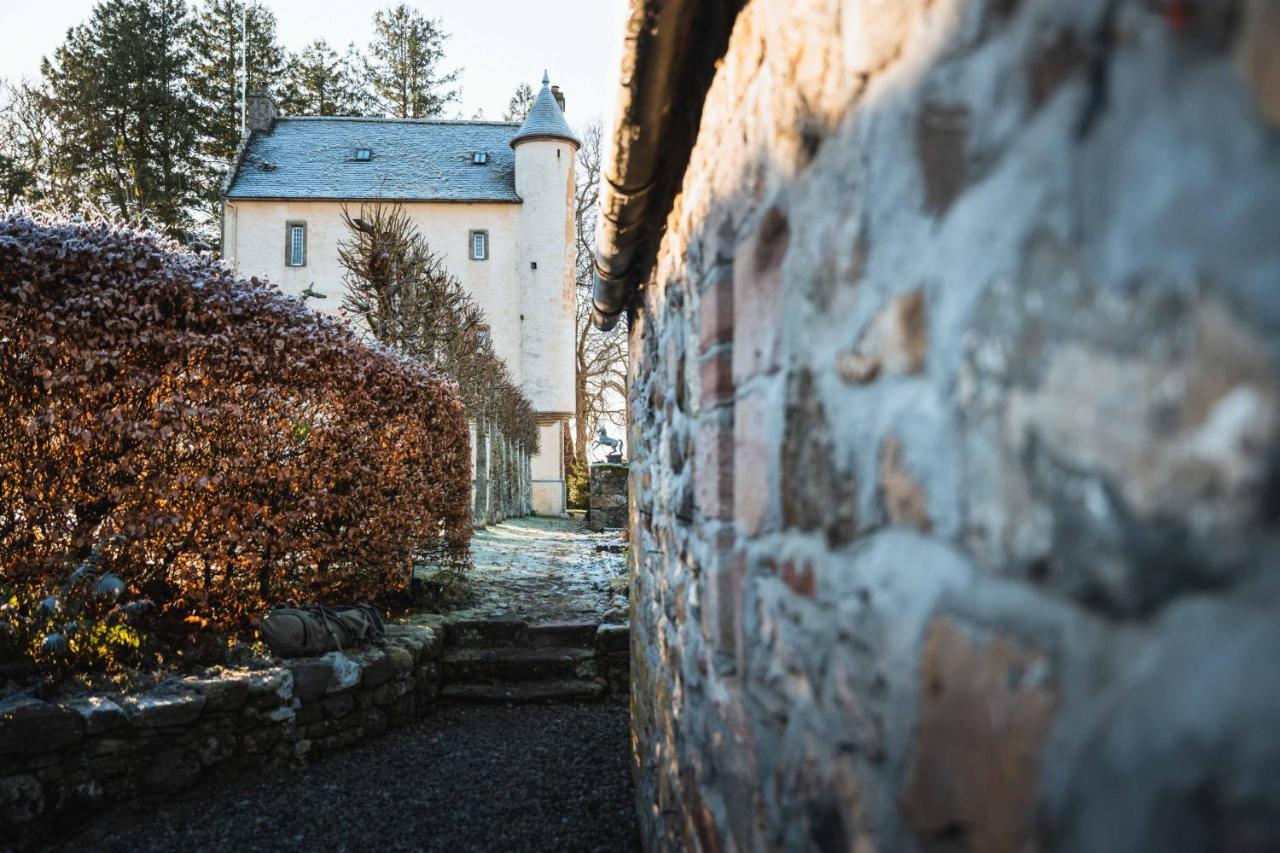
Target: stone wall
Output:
{"points": [[955, 408], [62, 761], [607, 507]]}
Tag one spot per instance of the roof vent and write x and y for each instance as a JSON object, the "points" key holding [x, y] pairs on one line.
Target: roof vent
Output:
{"points": [[363, 155], [479, 158]]}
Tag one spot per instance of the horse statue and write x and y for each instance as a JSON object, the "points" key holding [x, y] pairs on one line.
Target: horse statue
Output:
{"points": [[614, 444]]}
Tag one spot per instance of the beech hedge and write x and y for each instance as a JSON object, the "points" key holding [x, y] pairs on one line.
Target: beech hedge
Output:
{"points": [[213, 443]]}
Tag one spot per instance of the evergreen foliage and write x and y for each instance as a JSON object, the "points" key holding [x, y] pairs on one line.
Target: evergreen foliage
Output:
{"points": [[403, 64], [216, 43], [320, 81], [520, 104], [127, 118], [136, 115]]}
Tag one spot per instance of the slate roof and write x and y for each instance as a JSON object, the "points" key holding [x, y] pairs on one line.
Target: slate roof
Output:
{"points": [[545, 118], [412, 160]]}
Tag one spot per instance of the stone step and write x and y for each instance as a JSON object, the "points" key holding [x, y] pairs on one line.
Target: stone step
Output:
{"points": [[558, 690], [487, 632], [467, 665], [547, 635], [515, 633]]}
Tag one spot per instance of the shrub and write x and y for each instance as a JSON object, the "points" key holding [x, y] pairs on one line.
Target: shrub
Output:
{"points": [[219, 445], [579, 484]]}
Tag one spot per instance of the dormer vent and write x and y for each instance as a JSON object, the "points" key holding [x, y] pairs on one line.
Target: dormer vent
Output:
{"points": [[363, 155], [480, 158]]}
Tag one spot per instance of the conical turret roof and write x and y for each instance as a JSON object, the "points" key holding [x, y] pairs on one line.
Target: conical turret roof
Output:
{"points": [[545, 119]]}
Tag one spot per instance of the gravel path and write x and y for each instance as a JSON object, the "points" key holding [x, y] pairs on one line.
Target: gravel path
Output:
{"points": [[469, 777]]}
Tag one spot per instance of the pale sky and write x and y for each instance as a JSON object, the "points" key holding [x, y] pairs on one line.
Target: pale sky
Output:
{"points": [[498, 43]]}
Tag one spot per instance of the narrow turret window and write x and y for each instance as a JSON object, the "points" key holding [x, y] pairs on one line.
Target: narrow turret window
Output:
{"points": [[479, 245]]}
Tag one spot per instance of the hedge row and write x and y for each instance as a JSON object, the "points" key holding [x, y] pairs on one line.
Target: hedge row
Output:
{"points": [[223, 447]]}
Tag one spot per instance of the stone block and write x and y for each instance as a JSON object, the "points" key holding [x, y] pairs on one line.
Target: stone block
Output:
{"points": [[340, 705], [347, 672], [1257, 57], [713, 466], [715, 310], [21, 799], [757, 297], [904, 502], [401, 660], [216, 747], [986, 708], [376, 668], [342, 739], [153, 710], [222, 693], [311, 677], [375, 722], [755, 454], [942, 135], [99, 713], [722, 611], [269, 687], [715, 379], [614, 638], [259, 740], [895, 342], [171, 770], [104, 746], [29, 726], [818, 491]]}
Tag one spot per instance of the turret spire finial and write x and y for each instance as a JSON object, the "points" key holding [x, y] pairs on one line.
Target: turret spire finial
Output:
{"points": [[546, 78]]}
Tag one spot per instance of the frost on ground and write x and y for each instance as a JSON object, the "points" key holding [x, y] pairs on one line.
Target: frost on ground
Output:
{"points": [[539, 570]]}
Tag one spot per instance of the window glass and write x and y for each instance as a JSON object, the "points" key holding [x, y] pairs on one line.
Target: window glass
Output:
{"points": [[297, 245], [479, 245]]}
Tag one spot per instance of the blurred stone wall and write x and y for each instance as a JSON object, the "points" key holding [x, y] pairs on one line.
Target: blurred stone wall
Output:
{"points": [[955, 406]]}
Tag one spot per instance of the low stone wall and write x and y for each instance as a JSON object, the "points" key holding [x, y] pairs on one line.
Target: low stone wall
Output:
{"points": [[68, 758], [608, 506], [613, 657]]}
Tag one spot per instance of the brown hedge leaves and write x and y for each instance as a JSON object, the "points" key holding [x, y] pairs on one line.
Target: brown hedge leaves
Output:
{"points": [[227, 447]]}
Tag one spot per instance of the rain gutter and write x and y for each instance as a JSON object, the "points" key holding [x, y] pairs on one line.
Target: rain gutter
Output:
{"points": [[672, 49]]}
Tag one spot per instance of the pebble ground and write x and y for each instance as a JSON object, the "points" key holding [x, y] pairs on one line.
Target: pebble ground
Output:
{"points": [[467, 777]]}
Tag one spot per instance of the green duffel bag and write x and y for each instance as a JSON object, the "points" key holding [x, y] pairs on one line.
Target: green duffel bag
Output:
{"points": [[314, 629]]}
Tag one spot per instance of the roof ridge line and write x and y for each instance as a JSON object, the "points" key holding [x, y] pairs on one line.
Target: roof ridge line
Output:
{"points": [[397, 120]]}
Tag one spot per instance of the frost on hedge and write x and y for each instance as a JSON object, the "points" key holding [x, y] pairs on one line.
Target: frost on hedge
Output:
{"points": [[224, 447]]}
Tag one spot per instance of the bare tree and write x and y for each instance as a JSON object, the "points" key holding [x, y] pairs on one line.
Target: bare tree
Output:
{"points": [[410, 301], [601, 384]]}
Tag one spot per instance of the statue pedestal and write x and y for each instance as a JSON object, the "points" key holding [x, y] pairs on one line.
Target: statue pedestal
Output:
{"points": [[608, 504]]}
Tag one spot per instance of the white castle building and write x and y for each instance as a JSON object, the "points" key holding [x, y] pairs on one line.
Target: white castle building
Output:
{"points": [[495, 199]]}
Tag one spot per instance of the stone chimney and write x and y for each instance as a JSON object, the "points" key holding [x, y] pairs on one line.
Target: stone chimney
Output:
{"points": [[559, 96], [260, 112]]}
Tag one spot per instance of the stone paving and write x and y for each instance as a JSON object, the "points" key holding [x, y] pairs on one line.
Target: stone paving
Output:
{"points": [[544, 570]]}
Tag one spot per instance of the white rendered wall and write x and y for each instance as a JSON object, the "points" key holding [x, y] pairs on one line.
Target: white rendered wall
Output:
{"points": [[545, 180], [254, 243], [547, 471]]}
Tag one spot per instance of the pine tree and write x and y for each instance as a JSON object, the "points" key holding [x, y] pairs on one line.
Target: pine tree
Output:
{"points": [[216, 44], [126, 116], [404, 62], [521, 103], [319, 81]]}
